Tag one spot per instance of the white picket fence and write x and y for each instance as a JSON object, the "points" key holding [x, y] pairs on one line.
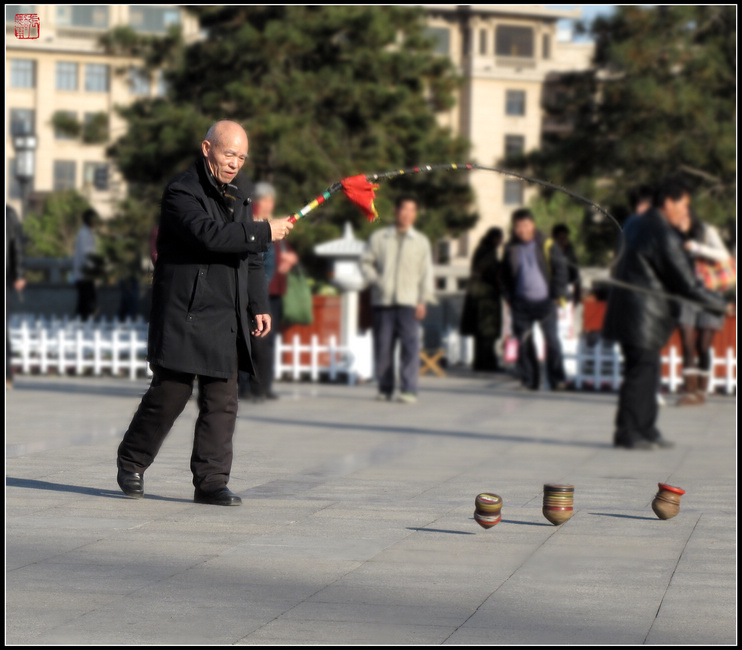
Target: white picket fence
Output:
{"points": [[119, 347], [354, 362], [67, 345], [600, 366]]}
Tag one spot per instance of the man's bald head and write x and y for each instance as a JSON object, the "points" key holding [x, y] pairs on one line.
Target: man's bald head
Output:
{"points": [[225, 149]]}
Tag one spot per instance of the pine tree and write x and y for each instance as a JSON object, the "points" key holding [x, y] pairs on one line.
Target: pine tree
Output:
{"points": [[324, 92], [659, 98]]}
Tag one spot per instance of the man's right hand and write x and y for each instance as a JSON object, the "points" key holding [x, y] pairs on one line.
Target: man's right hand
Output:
{"points": [[280, 228]]}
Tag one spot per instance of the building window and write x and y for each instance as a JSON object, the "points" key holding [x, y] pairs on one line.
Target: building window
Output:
{"points": [[514, 145], [483, 41], [95, 174], [64, 175], [515, 102], [21, 121], [513, 192], [443, 252], [66, 75], [546, 46], [441, 37], [514, 41], [152, 19], [138, 81], [61, 133], [161, 84], [463, 245], [94, 16], [96, 77], [22, 73], [14, 187], [95, 128]]}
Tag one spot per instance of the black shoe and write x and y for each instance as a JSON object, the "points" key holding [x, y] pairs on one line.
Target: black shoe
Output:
{"points": [[272, 395], [256, 399], [634, 444], [131, 483], [221, 497], [663, 443]]}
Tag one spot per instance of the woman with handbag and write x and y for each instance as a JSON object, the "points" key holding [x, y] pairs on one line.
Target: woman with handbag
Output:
{"points": [[714, 266]]}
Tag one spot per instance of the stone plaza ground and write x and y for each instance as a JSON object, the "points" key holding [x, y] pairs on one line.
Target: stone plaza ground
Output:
{"points": [[357, 522]]}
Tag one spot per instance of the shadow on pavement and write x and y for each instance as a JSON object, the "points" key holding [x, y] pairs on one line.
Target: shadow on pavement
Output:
{"points": [[428, 432], [34, 484], [610, 514], [131, 390], [439, 530]]}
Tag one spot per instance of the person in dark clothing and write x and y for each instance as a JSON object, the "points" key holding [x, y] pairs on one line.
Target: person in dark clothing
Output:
{"points": [[14, 279], [208, 298], [652, 259], [259, 386], [481, 316], [560, 234], [534, 276]]}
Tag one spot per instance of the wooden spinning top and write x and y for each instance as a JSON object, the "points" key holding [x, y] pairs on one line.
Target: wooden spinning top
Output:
{"points": [[666, 503], [487, 507], [558, 504]]}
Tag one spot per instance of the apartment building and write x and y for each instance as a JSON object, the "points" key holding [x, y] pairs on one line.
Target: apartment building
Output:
{"points": [[507, 56], [57, 74]]}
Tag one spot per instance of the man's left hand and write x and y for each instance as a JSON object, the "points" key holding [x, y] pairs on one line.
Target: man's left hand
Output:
{"points": [[263, 325], [420, 311], [19, 284]]}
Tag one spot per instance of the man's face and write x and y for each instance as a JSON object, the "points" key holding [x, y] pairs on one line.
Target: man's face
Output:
{"points": [[525, 230], [562, 239], [227, 154], [405, 216], [263, 208], [642, 206], [677, 212]]}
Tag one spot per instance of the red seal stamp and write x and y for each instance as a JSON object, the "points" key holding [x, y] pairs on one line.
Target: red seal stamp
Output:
{"points": [[27, 25]]}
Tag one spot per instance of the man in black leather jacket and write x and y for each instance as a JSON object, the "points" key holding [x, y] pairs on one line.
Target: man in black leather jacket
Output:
{"points": [[652, 258]]}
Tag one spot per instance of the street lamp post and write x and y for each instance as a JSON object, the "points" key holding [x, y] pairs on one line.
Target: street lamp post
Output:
{"points": [[25, 163]]}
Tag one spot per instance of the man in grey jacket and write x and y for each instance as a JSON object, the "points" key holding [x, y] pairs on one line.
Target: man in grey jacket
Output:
{"points": [[398, 265]]}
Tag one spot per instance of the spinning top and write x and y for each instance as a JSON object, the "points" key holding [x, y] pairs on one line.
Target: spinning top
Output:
{"points": [[666, 502], [487, 509], [558, 503]]}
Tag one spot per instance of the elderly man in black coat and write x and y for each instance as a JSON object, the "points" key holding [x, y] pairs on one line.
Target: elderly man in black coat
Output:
{"points": [[208, 298], [652, 258]]}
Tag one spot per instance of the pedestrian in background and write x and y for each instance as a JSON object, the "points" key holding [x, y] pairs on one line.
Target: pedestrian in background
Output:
{"points": [[534, 276], [560, 233], [87, 266], [653, 261], [481, 316], [698, 326], [14, 278], [398, 264], [280, 255]]}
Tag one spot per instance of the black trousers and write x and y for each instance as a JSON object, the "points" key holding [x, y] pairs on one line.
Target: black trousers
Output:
{"points": [[263, 354], [87, 299], [164, 401], [392, 324], [637, 401], [525, 315]]}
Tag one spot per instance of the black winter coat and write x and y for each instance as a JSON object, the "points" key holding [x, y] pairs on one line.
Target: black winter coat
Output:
{"points": [[208, 280], [652, 257], [551, 261]]}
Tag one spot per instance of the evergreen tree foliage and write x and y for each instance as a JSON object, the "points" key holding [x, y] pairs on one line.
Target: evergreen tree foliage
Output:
{"points": [[659, 98], [323, 91]]}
